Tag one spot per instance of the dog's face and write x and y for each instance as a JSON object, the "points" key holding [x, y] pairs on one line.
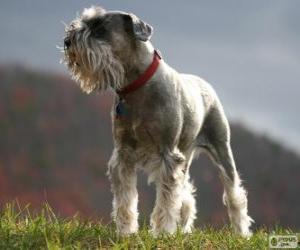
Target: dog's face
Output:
{"points": [[99, 44]]}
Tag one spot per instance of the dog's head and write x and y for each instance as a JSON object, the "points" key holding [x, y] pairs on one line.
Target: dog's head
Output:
{"points": [[98, 46]]}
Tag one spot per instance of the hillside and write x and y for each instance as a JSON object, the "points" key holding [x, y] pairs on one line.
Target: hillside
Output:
{"points": [[55, 142]]}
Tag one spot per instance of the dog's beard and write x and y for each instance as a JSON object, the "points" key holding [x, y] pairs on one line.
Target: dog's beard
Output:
{"points": [[93, 65]]}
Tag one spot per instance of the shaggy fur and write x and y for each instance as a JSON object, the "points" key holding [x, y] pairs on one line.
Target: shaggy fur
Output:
{"points": [[167, 121]]}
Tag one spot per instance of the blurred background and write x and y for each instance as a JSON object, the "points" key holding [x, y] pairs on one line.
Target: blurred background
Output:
{"points": [[55, 141]]}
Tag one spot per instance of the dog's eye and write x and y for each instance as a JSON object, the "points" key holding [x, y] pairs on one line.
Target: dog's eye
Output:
{"points": [[67, 43]]}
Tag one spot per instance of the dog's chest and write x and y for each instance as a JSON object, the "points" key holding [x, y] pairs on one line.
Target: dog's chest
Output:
{"points": [[135, 132]]}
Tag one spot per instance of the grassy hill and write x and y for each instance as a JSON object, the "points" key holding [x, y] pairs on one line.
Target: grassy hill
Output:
{"points": [[19, 229], [55, 142]]}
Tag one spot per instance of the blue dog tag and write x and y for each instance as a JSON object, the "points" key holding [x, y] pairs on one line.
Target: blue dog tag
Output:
{"points": [[121, 109]]}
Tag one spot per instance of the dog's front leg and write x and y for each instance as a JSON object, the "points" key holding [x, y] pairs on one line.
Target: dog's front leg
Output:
{"points": [[169, 180], [122, 175]]}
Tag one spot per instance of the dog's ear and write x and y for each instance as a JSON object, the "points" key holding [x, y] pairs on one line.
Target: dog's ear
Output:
{"points": [[140, 29]]}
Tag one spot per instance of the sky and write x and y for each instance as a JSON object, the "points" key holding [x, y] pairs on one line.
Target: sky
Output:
{"points": [[248, 50]]}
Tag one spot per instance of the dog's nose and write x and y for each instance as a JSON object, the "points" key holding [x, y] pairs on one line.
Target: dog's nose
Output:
{"points": [[67, 42]]}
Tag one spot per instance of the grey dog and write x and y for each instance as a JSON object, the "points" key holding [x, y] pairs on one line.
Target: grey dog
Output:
{"points": [[158, 126]]}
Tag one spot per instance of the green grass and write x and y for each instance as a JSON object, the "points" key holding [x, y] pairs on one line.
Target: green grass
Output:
{"points": [[19, 229]]}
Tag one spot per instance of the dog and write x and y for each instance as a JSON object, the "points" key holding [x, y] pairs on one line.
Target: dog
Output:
{"points": [[160, 120]]}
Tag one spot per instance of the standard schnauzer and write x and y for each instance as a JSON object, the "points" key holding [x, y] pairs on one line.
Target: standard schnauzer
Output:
{"points": [[160, 119]]}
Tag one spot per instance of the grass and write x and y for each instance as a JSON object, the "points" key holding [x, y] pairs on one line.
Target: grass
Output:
{"points": [[20, 229]]}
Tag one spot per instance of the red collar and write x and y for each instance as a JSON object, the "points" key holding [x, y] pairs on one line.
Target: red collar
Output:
{"points": [[144, 78]]}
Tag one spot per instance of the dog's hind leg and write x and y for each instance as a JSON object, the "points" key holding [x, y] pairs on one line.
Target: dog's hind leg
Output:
{"points": [[122, 175], [169, 179], [216, 141]]}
